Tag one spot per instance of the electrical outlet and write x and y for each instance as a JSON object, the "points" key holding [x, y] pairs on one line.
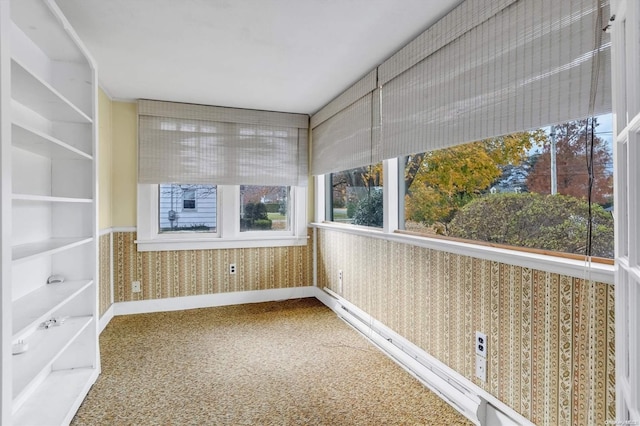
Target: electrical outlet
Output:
{"points": [[481, 344], [340, 281], [135, 287], [481, 368], [232, 269]]}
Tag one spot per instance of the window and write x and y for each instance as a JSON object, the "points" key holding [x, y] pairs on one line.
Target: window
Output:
{"points": [[264, 208], [529, 189], [356, 196], [200, 216], [177, 210], [188, 199]]}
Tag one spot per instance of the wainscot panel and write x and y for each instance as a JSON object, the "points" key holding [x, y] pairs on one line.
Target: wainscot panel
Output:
{"points": [[550, 337], [104, 291], [166, 274]]}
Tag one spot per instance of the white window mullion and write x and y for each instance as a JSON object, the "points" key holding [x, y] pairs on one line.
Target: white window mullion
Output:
{"points": [[390, 194], [320, 198], [147, 198], [298, 203], [229, 211]]}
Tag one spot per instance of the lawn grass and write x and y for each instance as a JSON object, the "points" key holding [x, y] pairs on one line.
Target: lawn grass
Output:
{"points": [[340, 214]]}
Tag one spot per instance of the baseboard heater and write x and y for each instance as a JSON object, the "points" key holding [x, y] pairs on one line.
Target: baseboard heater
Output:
{"points": [[470, 400]]}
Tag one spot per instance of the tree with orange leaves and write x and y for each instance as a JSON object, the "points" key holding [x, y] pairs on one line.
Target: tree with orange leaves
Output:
{"points": [[571, 165]]}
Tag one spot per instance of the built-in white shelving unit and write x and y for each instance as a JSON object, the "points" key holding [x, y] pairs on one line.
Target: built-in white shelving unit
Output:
{"points": [[48, 110]]}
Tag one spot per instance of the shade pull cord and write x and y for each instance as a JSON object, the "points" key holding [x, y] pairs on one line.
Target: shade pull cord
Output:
{"points": [[590, 132], [588, 286]]}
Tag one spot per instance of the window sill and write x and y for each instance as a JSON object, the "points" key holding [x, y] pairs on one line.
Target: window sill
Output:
{"points": [[575, 268], [220, 243]]}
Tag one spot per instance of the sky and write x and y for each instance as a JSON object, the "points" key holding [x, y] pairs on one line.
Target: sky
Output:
{"points": [[604, 131]]}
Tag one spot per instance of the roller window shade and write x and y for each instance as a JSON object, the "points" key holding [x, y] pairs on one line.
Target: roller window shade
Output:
{"points": [[346, 140], [177, 143], [530, 65]]}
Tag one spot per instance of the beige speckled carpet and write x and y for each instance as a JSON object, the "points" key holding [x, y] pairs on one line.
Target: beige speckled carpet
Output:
{"points": [[280, 363]]}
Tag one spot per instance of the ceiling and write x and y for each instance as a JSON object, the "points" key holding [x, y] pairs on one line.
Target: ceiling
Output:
{"points": [[278, 55]]}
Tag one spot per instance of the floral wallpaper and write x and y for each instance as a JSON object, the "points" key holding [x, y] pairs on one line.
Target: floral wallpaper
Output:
{"points": [[166, 274], [550, 337], [104, 271]]}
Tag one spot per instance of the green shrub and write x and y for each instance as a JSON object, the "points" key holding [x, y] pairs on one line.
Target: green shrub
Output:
{"points": [[262, 224], [255, 217], [259, 211], [249, 209], [351, 208], [369, 211], [245, 224], [548, 222]]}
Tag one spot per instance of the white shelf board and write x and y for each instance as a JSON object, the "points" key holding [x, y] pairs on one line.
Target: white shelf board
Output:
{"points": [[41, 25], [57, 399], [37, 306], [45, 346], [43, 144], [49, 198], [29, 251], [39, 96]]}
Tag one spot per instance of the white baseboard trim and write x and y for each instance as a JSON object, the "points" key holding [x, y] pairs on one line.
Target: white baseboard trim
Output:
{"points": [[465, 396], [210, 300], [105, 319]]}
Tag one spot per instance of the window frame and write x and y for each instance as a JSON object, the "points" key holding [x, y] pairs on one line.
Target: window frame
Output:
{"points": [[326, 203], [227, 233], [401, 226], [265, 232], [601, 272]]}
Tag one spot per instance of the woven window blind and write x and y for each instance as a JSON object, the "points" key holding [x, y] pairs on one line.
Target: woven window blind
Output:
{"points": [[344, 141], [486, 69], [183, 143], [346, 131], [529, 65]]}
